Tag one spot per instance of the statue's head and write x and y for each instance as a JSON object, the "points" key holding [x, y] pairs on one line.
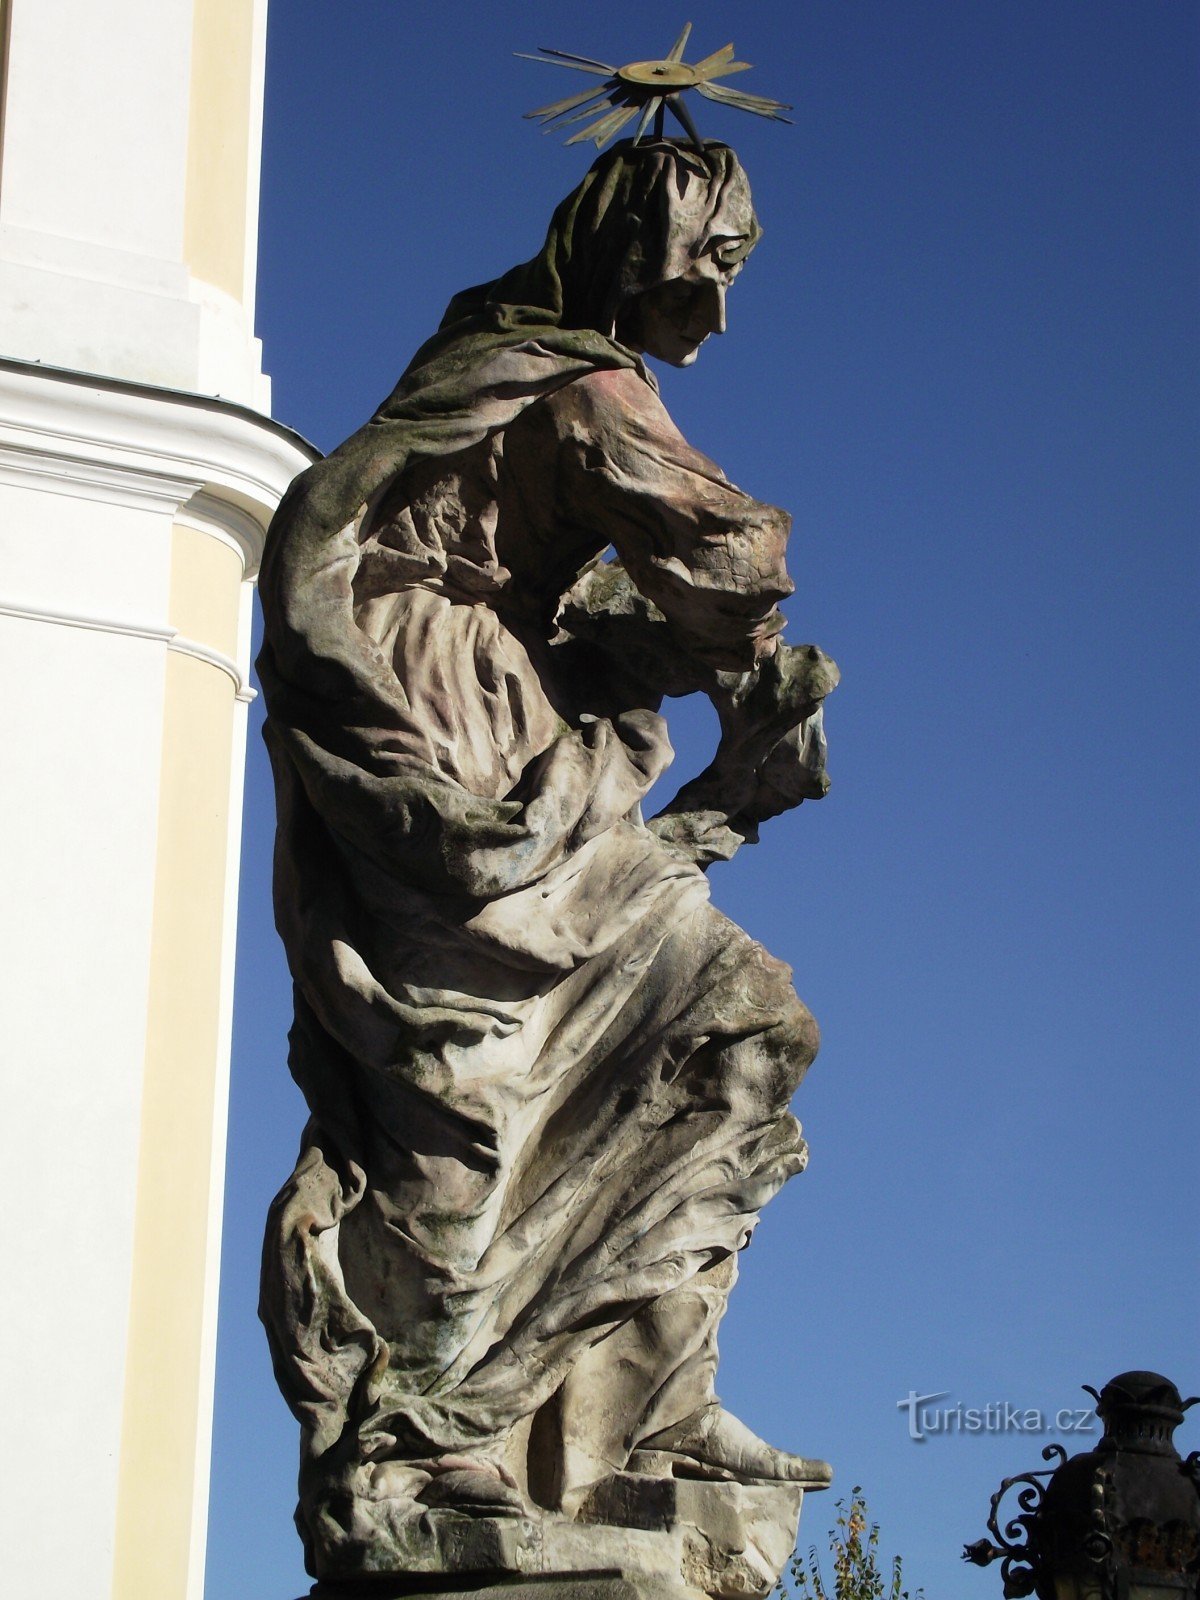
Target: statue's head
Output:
{"points": [[643, 251], [648, 245]]}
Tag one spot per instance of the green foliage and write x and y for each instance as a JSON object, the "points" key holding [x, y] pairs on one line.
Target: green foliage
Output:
{"points": [[857, 1575]]}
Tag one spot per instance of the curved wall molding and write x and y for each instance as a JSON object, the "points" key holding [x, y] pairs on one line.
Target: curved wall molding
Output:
{"points": [[134, 628], [133, 445], [228, 523], [214, 658]]}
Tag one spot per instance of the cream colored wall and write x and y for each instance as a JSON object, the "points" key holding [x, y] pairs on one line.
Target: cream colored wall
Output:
{"points": [[220, 243], [219, 137], [164, 1434], [5, 26], [80, 715], [129, 190], [131, 523]]}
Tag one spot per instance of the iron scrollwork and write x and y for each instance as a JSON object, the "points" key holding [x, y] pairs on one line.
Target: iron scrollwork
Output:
{"points": [[1016, 1546]]}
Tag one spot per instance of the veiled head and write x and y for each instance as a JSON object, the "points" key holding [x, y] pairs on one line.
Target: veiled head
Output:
{"points": [[651, 241], [642, 250]]}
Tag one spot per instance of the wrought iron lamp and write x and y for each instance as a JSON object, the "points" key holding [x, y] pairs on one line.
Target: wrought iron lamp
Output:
{"points": [[1121, 1522]]}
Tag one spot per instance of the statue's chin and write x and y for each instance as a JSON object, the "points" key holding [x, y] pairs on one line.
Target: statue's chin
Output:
{"points": [[680, 356], [664, 343]]}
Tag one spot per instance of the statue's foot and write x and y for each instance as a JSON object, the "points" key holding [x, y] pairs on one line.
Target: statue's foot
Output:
{"points": [[473, 1485], [712, 1443]]}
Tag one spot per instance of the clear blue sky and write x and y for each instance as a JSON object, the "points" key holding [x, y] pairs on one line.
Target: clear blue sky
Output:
{"points": [[965, 358]]}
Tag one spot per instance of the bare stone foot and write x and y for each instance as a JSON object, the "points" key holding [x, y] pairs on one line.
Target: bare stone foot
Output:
{"points": [[712, 1443], [476, 1487]]}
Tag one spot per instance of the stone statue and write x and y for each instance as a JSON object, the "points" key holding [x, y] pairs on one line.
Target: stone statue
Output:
{"points": [[549, 1082]]}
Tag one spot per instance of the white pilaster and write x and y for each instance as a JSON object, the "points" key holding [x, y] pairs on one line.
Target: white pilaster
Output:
{"points": [[95, 481], [99, 194]]}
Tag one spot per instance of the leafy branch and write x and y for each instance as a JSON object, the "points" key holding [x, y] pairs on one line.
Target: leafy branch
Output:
{"points": [[857, 1573]]}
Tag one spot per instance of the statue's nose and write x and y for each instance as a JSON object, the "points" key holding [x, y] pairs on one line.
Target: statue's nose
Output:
{"points": [[706, 311], [716, 308]]}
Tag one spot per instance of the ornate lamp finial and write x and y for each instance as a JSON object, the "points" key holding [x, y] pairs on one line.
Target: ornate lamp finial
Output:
{"points": [[1120, 1522], [649, 87]]}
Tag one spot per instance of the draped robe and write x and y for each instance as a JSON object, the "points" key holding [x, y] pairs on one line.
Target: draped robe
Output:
{"points": [[548, 1080]]}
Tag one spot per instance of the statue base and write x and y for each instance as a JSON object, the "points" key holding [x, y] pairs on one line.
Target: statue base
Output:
{"points": [[634, 1538], [551, 1586]]}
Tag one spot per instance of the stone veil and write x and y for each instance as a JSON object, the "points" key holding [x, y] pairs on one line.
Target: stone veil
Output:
{"points": [[548, 1081]]}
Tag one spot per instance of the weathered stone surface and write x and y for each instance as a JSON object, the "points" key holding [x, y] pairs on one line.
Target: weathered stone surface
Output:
{"points": [[727, 1540], [568, 1586], [549, 1083], [732, 1539]]}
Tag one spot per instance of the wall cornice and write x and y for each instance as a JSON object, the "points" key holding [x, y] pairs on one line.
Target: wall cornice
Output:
{"points": [[219, 465]]}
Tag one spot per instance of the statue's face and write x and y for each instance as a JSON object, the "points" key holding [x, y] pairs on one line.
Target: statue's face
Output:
{"points": [[672, 320]]}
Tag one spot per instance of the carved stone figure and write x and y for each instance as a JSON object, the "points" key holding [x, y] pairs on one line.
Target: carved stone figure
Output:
{"points": [[549, 1082]]}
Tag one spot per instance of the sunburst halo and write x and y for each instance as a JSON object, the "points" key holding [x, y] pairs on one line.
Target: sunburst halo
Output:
{"points": [[647, 90]]}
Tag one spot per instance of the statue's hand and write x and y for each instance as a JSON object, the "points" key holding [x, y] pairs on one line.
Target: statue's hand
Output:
{"points": [[770, 758], [700, 837], [793, 771], [757, 708]]}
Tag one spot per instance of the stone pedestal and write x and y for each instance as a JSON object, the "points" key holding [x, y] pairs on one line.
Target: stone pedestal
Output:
{"points": [[557, 1586], [728, 1540], [634, 1536]]}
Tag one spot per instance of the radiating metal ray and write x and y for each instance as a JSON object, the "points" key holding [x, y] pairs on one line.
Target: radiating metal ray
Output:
{"points": [[718, 91], [569, 55], [722, 93], [683, 117], [725, 53], [757, 111], [603, 130], [601, 107], [761, 99], [569, 104], [730, 97], [648, 111], [676, 51], [576, 66]]}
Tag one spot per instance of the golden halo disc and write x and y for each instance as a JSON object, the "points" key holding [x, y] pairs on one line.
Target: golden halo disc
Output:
{"points": [[666, 75]]}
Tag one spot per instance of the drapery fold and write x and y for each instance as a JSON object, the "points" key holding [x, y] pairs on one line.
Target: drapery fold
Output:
{"points": [[548, 1081]]}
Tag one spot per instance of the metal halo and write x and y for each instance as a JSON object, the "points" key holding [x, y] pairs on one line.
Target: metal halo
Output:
{"points": [[647, 90]]}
